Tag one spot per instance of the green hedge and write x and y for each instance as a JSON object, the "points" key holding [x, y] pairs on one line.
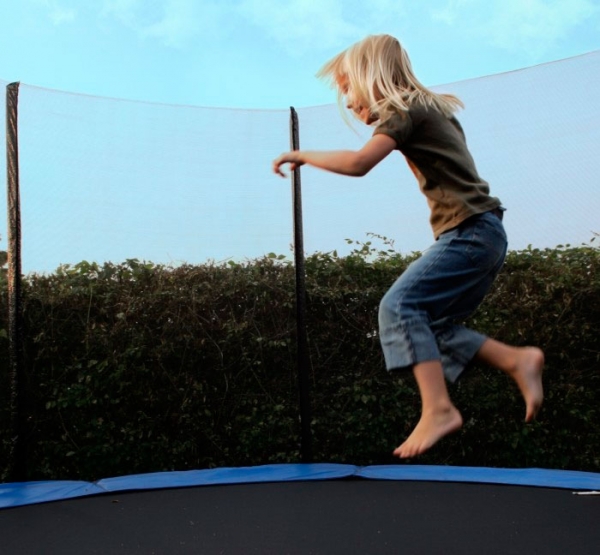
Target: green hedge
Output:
{"points": [[136, 367]]}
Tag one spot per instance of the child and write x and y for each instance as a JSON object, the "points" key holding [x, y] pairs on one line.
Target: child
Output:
{"points": [[448, 282]]}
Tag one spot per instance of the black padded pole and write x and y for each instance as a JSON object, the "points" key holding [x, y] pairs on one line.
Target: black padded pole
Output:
{"points": [[15, 313], [302, 359]]}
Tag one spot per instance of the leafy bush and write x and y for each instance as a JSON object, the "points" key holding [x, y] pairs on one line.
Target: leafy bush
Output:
{"points": [[136, 367]]}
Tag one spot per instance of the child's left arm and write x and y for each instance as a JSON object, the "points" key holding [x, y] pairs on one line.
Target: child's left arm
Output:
{"points": [[345, 162]]}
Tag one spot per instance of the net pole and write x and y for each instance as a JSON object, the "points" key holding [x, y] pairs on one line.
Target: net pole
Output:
{"points": [[302, 360], [15, 313]]}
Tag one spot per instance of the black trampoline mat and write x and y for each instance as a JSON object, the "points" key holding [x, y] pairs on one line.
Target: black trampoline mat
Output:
{"points": [[350, 516]]}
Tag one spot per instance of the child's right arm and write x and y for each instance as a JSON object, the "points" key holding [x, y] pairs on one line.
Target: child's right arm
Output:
{"points": [[346, 162]]}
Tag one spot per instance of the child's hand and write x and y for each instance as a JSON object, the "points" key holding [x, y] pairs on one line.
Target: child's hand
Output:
{"points": [[291, 158]]}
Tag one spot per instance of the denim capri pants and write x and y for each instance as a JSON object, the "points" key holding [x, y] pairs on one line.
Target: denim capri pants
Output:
{"points": [[418, 316]]}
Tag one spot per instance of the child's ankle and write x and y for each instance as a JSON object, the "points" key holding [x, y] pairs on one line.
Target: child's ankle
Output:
{"points": [[439, 408]]}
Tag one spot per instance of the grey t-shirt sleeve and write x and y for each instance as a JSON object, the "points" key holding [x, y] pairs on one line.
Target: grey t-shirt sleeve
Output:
{"points": [[398, 126]]}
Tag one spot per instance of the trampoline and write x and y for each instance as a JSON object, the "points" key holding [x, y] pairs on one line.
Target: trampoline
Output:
{"points": [[287, 509], [308, 509]]}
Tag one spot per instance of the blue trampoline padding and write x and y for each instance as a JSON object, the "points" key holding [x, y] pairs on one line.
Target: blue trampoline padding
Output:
{"points": [[221, 476], [29, 493], [536, 477]]}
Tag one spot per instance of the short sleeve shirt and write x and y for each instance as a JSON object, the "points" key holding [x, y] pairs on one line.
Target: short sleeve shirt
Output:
{"points": [[436, 151]]}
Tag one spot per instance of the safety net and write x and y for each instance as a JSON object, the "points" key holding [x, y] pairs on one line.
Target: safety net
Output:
{"points": [[103, 179]]}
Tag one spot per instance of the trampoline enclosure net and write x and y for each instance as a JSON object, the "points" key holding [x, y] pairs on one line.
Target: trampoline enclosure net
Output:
{"points": [[109, 180]]}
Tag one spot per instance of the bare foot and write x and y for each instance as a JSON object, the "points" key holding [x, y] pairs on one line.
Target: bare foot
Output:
{"points": [[528, 375], [431, 428]]}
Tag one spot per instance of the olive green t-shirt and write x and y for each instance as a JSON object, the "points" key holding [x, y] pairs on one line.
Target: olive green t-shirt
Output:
{"points": [[436, 151]]}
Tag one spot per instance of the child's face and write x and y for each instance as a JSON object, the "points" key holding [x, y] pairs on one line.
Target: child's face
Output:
{"points": [[353, 103]]}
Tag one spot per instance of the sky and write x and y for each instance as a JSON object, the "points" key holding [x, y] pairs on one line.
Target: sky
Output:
{"points": [[110, 180], [263, 54]]}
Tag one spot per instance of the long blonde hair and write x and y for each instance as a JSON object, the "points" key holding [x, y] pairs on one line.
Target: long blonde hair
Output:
{"points": [[379, 73]]}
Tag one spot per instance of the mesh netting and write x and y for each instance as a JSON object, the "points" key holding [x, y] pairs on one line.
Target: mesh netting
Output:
{"points": [[3, 214], [109, 180], [534, 135], [106, 180]]}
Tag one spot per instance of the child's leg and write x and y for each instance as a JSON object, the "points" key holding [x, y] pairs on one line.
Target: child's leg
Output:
{"points": [[446, 283], [522, 364], [439, 417]]}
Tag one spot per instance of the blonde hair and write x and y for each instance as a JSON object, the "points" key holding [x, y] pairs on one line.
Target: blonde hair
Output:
{"points": [[379, 73]]}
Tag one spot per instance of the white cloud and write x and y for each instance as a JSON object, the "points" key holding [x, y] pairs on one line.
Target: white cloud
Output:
{"points": [[123, 10], [57, 11], [301, 25], [450, 13], [172, 22], [384, 16], [179, 22], [516, 25], [298, 25]]}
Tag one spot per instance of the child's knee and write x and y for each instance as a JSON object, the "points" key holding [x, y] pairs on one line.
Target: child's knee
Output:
{"points": [[397, 307], [388, 311]]}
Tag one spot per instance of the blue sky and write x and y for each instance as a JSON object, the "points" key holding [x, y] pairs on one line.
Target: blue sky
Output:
{"points": [[264, 53], [109, 180]]}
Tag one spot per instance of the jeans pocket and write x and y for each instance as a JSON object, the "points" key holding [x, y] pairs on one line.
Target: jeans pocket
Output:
{"points": [[487, 242]]}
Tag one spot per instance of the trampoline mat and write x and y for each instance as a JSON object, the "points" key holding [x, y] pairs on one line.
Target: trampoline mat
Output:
{"points": [[314, 517]]}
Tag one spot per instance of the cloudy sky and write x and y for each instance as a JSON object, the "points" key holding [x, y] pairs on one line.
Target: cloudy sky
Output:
{"points": [[264, 53], [136, 179]]}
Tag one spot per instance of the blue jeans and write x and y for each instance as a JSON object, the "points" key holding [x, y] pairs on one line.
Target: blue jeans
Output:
{"points": [[417, 316]]}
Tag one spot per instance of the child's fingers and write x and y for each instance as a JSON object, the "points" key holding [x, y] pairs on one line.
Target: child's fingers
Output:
{"points": [[290, 158], [277, 168], [278, 162]]}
